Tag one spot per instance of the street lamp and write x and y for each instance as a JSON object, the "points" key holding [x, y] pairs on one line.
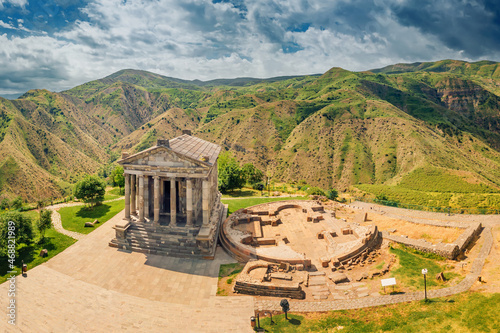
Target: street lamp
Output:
{"points": [[285, 306], [424, 273]]}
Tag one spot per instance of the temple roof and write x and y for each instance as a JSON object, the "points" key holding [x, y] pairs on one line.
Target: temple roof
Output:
{"points": [[195, 148]]}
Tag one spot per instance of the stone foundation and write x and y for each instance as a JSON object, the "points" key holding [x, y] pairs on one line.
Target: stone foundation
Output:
{"points": [[446, 250], [276, 281]]}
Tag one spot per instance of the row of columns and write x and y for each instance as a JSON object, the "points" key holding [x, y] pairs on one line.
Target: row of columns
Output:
{"points": [[142, 183]]}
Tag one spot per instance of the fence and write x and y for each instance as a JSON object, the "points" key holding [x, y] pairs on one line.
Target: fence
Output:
{"points": [[449, 210]]}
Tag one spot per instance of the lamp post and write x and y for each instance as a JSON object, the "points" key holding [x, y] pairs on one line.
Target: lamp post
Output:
{"points": [[424, 273], [285, 306]]}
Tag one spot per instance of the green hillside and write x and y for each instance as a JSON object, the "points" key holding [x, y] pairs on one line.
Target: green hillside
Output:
{"points": [[424, 127]]}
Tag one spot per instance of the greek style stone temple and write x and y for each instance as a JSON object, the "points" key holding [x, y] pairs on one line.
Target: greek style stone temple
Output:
{"points": [[172, 202]]}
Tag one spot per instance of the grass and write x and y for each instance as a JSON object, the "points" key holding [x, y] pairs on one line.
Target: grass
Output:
{"points": [[74, 218], [113, 193], [411, 263], [235, 204], [466, 312], [228, 271], [472, 202], [54, 242]]}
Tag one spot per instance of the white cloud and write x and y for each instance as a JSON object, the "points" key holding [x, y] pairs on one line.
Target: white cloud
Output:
{"points": [[18, 3], [201, 40]]}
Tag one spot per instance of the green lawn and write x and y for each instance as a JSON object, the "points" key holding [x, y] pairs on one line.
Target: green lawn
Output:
{"points": [[113, 193], [409, 272], [235, 204], [74, 218], [467, 312], [54, 242]]}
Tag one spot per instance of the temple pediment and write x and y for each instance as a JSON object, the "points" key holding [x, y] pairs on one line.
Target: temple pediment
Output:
{"points": [[184, 151], [162, 157]]}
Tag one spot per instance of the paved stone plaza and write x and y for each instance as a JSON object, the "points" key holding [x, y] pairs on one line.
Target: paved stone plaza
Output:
{"points": [[91, 287]]}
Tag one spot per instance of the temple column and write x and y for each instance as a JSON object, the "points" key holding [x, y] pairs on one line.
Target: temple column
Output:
{"points": [[127, 196], [146, 196], [156, 218], [141, 198], [189, 203], [205, 202], [173, 208], [133, 194]]}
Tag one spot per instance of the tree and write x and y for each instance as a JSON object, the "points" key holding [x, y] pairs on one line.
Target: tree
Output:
{"points": [[117, 177], [230, 175], [17, 203], [14, 226], [91, 189], [4, 205], [332, 194], [315, 191], [251, 174], [44, 222]]}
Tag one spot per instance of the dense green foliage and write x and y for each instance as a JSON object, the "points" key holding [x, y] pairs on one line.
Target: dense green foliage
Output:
{"points": [[53, 241], [91, 189], [118, 177], [15, 226], [251, 174], [44, 222], [230, 174]]}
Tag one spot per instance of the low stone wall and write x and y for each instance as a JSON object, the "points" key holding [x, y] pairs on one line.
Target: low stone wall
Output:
{"points": [[248, 288], [447, 250], [251, 286], [370, 242], [468, 235]]}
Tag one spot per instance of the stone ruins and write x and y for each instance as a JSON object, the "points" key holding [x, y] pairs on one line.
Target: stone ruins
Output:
{"points": [[290, 245], [172, 202]]}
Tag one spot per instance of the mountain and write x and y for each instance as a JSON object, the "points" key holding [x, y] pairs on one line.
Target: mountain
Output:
{"points": [[387, 127]]}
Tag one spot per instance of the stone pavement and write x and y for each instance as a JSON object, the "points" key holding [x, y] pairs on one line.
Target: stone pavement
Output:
{"points": [[91, 287]]}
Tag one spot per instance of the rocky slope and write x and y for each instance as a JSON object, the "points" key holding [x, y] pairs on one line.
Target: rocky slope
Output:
{"points": [[333, 130]]}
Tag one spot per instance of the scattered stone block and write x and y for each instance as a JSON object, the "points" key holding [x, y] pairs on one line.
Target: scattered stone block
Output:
{"points": [[360, 217], [440, 277], [346, 231], [338, 277], [324, 261]]}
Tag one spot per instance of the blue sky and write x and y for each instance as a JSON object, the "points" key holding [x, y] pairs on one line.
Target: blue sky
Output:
{"points": [[58, 44]]}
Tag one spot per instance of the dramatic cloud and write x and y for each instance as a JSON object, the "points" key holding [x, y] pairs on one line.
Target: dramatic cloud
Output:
{"points": [[57, 44]]}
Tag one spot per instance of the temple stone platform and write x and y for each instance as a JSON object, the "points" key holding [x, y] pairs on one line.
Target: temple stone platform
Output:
{"points": [[172, 202]]}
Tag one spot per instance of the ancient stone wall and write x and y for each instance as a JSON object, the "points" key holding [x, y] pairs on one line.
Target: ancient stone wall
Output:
{"points": [[449, 251]]}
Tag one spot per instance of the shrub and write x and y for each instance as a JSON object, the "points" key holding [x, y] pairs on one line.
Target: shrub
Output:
{"points": [[17, 203], [332, 194], [315, 191]]}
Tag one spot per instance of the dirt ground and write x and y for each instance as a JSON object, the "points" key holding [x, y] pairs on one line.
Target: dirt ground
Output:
{"points": [[430, 233]]}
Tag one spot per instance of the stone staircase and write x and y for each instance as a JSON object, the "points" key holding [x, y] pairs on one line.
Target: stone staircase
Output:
{"points": [[168, 241]]}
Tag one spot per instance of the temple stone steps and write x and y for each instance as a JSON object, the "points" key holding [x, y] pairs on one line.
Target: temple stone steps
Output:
{"points": [[161, 241]]}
